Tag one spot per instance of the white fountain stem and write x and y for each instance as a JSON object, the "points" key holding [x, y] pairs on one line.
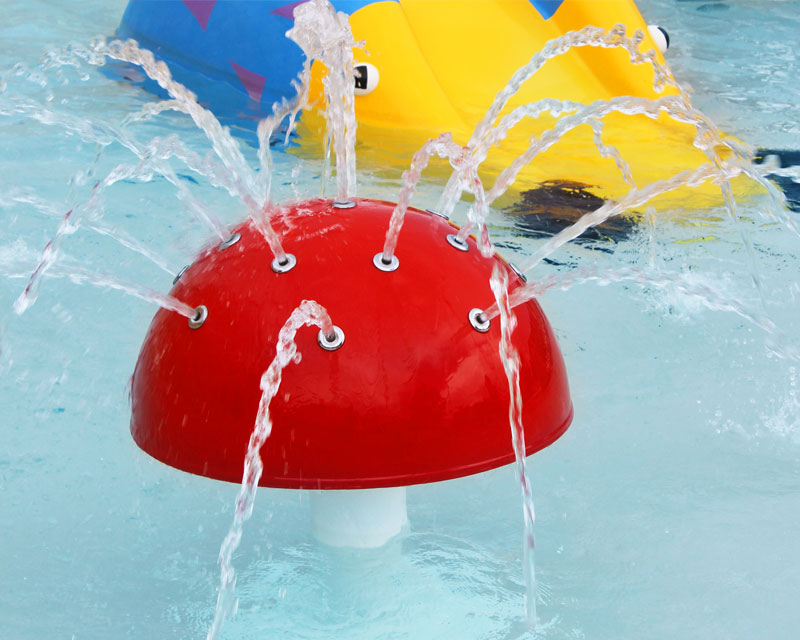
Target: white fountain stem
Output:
{"points": [[358, 518]]}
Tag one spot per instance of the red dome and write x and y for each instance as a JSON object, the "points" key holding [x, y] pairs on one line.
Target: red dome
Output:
{"points": [[414, 395]]}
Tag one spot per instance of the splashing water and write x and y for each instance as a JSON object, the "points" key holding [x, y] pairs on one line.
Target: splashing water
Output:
{"points": [[325, 35], [634, 198], [321, 33], [243, 183], [510, 358], [334, 49], [466, 169], [74, 217], [444, 147], [224, 145], [79, 275], [703, 293], [486, 134], [467, 160], [708, 138], [151, 157], [638, 197], [52, 209], [308, 313]]}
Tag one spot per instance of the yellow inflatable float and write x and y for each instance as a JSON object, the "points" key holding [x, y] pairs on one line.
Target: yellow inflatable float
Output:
{"points": [[441, 64], [434, 66]]}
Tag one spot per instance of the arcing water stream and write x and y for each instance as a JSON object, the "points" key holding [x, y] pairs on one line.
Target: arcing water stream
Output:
{"points": [[308, 313], [233, 172], [510, 357]]}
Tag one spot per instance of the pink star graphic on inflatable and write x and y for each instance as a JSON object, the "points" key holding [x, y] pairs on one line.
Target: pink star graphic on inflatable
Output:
{"points": [[287, 10], [201, 10], [253, 82]]}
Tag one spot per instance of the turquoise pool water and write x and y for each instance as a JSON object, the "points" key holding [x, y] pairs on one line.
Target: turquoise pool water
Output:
{"points": [[670, 509]]}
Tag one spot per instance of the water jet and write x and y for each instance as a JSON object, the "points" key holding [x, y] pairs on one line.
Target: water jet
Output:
{"points": [[458, 56], [709, 435], [415, 394]]}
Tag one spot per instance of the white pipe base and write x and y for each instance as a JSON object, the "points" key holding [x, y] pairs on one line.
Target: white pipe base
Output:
{"points": [[358, 518]]}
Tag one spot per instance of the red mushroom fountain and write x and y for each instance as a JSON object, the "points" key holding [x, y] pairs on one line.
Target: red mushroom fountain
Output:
{"points": [[411, 390]]}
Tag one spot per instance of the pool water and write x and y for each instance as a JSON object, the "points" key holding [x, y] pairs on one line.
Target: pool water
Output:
{"points": [[670, 509]]}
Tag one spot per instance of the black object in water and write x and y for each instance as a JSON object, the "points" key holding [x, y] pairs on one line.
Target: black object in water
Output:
{"points": [[554, 205], [786, 158]]}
